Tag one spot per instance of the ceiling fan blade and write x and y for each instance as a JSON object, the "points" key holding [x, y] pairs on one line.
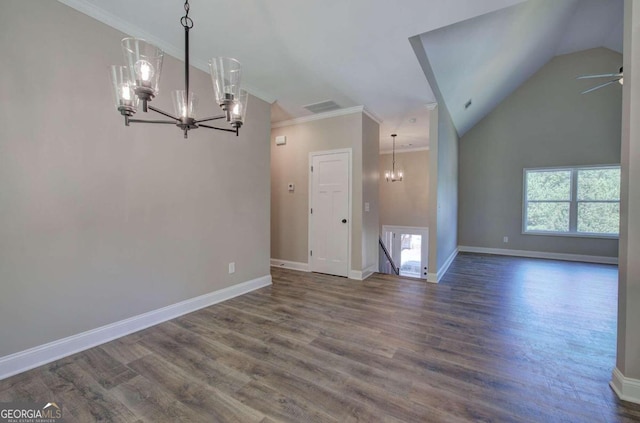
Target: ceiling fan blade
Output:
{"points": [[604, 75], [597, 87]]}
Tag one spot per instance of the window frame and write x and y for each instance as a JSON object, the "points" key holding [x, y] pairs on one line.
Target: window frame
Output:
{"points": [[573, 202]]}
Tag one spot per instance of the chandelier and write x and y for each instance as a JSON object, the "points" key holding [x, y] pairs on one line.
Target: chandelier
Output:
{"points": [[393, 175], [138, 82]]}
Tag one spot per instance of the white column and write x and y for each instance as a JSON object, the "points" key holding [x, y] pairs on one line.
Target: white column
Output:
{"points": [[626, 376]]}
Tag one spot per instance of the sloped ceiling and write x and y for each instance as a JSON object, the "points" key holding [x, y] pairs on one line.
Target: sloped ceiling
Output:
{"points": [[357, 52], [484, 59], [299, 52]]}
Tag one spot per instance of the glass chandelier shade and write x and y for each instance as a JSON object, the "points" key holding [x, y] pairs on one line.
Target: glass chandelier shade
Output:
{"points": [[239, 110], [145, 66], [226, 75], [391, 176], [183, 107], [138, 82], [394, 175], [123, 90]]}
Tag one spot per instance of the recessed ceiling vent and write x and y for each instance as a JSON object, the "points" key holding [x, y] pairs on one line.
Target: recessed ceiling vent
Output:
{"points": [[323, 106]]}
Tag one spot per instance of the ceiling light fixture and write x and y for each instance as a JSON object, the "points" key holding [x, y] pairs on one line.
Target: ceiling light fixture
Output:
{"points": [[138, 81], [621, 80], [393, 175], [617, 77]]}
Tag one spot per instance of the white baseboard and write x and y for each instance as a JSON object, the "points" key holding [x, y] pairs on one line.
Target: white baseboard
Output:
{"points": [[539, 254], [626, 388], [370, 270], [293, 265], [33, 357], [361, 275], [436, 277], [304, 267]]}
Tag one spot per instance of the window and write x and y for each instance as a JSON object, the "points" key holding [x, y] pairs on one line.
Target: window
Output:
{"points": [[572, 201]]}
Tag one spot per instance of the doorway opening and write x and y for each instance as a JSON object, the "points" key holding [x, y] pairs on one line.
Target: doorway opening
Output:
{"points": [[409, 249], [410, 255]]}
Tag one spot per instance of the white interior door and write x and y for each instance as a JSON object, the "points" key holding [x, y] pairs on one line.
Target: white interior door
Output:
{"points": [[329, 218]]}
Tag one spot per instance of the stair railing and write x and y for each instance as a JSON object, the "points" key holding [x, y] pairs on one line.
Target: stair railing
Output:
{"points": [[395, 268]]}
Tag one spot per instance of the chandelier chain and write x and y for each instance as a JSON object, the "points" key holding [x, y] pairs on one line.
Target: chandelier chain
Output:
{"points": [[186, 21], [393, 165]]}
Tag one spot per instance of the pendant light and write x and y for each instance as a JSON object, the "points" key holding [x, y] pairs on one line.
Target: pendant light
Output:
{"points": [[138, 82], [393, 175]]}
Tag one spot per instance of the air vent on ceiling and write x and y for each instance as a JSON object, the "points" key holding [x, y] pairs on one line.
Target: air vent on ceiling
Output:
{"points": [[323, 106]]}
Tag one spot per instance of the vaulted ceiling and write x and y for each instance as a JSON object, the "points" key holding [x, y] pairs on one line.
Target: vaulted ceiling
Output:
{"points": [[497, 52], [357, 52]]}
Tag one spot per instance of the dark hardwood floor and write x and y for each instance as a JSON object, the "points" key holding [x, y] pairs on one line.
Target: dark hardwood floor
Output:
{"points": [[499, 339]]}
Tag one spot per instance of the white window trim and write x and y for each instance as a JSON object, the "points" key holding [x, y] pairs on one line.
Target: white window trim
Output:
{"points": [[573, 207]]}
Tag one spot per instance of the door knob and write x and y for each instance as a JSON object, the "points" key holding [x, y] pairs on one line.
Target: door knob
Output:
{"points": [[344, 220]]}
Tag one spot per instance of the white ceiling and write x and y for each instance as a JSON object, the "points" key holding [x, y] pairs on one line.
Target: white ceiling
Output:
{"points": [[497, 52], [357, 52]]}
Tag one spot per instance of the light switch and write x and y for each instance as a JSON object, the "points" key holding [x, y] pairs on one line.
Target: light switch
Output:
{"points": [[281, 140], [366, 207]]}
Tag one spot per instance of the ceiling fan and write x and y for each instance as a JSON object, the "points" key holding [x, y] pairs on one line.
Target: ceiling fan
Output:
{"points": [[617, 77]]}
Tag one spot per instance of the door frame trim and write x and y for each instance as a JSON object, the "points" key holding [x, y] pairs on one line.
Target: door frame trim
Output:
{"points": [[418, 230], [313, 154]]}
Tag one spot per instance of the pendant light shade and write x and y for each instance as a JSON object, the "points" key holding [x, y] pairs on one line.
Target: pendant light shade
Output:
{"points": [[392, 176], [226, 75], [145, 66], [183, 107], [123, 90], [239, 110]]}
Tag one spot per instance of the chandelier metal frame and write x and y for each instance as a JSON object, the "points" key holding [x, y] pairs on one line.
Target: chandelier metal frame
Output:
{"points": [[393, 176], [185, 122]]}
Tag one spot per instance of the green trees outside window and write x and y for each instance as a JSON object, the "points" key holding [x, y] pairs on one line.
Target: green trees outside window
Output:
{"points": [[580, 201]]}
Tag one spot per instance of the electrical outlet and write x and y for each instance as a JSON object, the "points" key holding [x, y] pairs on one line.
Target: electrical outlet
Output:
{"points": [[505, 239], [232, 267]]}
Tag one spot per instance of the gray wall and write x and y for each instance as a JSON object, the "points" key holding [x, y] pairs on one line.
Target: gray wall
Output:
{"points": [[405, 203], [101, 222], [545, 122], [290, 163], [443, 174], [446, 208], [370, 181]]}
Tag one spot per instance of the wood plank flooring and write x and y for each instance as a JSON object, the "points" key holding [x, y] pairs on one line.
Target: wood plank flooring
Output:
{"points": [[499, 339]]}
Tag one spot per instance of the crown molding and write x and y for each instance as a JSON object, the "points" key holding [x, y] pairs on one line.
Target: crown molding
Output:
{"points": [[404, 150], [327, 115], [130, 29], [372, 115]]}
